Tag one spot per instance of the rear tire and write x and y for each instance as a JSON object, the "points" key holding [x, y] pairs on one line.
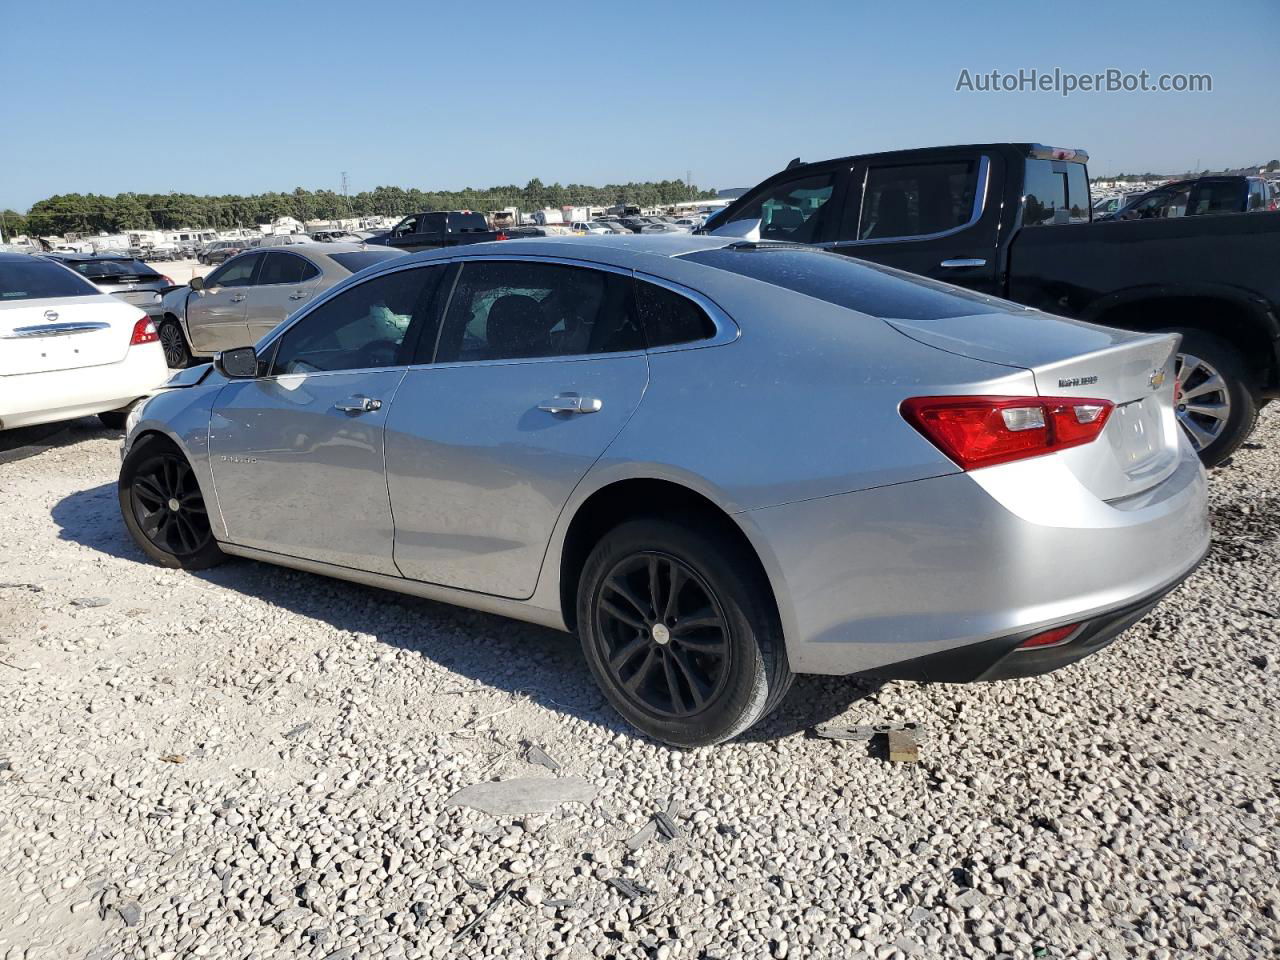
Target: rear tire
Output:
{"points": [[176, 352], [1217, 405], [163, 507], [690, 666]]}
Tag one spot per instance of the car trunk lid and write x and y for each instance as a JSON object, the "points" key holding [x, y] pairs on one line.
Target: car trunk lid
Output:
{"points": [[1139, 447], [39, 336]]}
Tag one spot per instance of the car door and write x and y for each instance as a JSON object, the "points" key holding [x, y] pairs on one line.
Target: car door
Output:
{"points": [[216, 313], [539, 366], [285, 281], [931, 216], [297, 455]]}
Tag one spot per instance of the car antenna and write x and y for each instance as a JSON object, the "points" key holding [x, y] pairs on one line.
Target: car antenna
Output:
{"points": [[794, 163]]}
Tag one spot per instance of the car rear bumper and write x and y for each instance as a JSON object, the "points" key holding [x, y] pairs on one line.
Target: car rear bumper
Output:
{"points": [[898, 574], [33, 398]]}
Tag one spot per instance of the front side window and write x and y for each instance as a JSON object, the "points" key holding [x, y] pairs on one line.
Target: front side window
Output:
{"points": [[285, 268], [792, 210], [234, 273], [364, 327], [511, 310], [918, 199], [406, 226], [1160, 204]]}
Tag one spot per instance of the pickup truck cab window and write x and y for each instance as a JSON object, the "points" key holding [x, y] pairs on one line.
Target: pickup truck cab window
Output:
{"points": [[406, 226], [1055, 192], [918, 199], [791, 210]]}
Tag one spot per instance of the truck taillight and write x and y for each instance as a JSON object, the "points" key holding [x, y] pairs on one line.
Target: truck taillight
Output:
{"points": [[144, 331], [984, 431], [501, 236]]}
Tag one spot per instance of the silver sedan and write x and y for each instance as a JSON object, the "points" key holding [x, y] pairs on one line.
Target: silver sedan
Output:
{"points": [[718, 462], [253, 292]]}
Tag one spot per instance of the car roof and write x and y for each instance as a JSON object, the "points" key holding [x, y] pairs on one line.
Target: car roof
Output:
{"points": [[90, 256], [612, 248]]}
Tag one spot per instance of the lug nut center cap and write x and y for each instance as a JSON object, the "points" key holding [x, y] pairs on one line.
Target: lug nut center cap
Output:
{"points": [[173, 504], [661, 634]]}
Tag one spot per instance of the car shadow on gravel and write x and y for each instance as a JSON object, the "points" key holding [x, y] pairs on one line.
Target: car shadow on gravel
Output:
{"points": [[542, 664], [25, 442]]}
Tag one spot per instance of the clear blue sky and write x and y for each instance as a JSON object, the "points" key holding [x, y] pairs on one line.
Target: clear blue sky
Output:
{"points": [[242, 97]]}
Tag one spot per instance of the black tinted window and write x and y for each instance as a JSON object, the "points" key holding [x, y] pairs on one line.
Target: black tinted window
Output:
{"points": [[355, 262], [917, 199], [111, 268], [866, 287], [33, 279], [792, 210], [237, 272], [506, 310], [467, 223], [365, 326], [285, 268], [1217, 196], [670, 318], [1054, 192]]}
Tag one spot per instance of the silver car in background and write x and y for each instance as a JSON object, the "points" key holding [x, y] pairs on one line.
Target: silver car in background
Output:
{"points": [[719, 462], [124, 277], [246, 297]]}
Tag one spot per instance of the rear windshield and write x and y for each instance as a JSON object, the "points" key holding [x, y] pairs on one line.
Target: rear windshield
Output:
{"points": [[854, 284], [467, 223], [355, 262], [36, 279], [113, 269]]}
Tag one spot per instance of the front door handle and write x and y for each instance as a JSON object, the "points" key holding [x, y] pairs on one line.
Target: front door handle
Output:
{"points": [[358, 404], [571, 403], [297, 296], [960, 262], [237, 298]]}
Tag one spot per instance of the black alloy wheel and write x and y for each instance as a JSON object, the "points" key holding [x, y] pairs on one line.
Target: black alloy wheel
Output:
{"points": [[664, 635], [163, 507]]}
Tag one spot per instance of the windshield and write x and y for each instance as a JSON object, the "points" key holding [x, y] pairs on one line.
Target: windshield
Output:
{"points": [[36, 279], [355, 262]]}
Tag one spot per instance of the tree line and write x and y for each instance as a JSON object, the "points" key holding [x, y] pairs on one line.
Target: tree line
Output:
{"points": [[88, 213]]}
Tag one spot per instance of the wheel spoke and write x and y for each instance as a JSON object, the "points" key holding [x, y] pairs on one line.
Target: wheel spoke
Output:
{"points": [[1187, 365], [698, 620], [1200, 437], [678, 579], [628, 652], [697, 689], [632, 684], [655, 586], [619, 586], [1213, 384], [673, 686], [145, 489], [151, 522], [613, 610], [1217, 411]]}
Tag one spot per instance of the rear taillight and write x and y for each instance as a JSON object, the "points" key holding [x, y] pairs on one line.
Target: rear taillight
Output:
{"points": [[168, 281], [144, 331], [983, 431]]}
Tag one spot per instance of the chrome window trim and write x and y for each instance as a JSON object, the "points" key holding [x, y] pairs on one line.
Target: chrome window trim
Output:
{"points": [[979, 207]]}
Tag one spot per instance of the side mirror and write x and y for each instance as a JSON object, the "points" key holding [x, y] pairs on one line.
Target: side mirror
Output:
{"points": [[240, 363], [196, 283]]}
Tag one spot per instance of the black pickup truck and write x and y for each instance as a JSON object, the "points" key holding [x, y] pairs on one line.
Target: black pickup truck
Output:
{"points": [[426, 231], [1013, 220]]}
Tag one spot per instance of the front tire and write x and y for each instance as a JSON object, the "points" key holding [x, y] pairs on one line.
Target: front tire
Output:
{"points": [[1217, 407], [681, 632], [176, 352], [163, 507]]}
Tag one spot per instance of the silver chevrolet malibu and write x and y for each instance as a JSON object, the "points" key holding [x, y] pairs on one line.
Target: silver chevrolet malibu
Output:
{"points": [[718, 462]]}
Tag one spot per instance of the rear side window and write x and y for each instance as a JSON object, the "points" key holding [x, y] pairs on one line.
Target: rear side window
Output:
{"points": [[511, 310], [1054, 192], [467, 223], [285, 268], [1215, 196], [792, 210], [355, 262], [35, 279], [669, 318], [856, 285], [918, 199]]}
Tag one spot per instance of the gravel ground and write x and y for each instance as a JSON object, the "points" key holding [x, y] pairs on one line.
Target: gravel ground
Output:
{"points": [[253, 762]]}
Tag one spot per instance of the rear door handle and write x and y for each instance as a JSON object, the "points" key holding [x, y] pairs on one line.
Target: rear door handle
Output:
{"points": [[963, 262], [358, 404], [571, 403]]}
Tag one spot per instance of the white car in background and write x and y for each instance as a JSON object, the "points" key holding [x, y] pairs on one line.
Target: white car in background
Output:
{"points": [[68, 350]]}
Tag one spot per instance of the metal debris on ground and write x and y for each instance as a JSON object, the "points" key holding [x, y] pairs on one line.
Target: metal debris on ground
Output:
{"points": [[536, 755], [667, 828], [90, 601], [560, 903], [859, 731], [33, 587], [475, 921], [521, 795], [299, 730], [903, 747], [629, 888], [642, 836], [173, 758]]}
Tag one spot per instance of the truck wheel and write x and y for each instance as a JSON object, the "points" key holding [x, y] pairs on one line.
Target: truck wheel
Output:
{"points": [[1216, 405]]}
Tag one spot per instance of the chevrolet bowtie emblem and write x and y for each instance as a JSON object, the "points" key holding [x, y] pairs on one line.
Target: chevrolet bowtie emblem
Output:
{"points": [[1157, 380]]}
